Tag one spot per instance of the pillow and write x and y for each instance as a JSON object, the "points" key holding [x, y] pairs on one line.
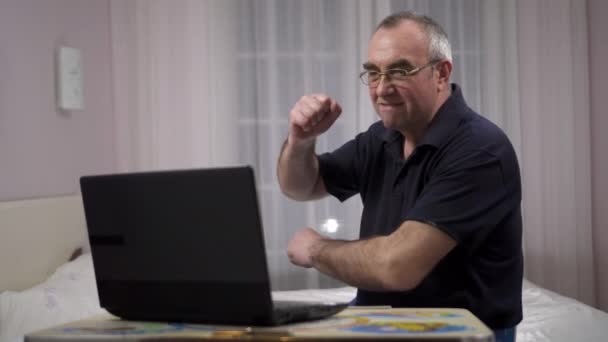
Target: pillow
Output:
{"points": [[67, 295]]}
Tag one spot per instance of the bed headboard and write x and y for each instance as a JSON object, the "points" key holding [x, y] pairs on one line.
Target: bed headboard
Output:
{"points": [[36, 236]]}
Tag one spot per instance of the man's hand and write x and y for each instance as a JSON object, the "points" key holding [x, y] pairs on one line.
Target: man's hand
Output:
{"points": [[311, 116], [302, 247]]}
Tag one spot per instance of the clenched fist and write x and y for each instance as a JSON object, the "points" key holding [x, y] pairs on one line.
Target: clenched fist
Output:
{"points": [[301, 247], [311, 116]]}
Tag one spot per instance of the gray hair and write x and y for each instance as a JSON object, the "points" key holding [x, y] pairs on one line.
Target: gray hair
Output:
{"points": [[439, 45]]}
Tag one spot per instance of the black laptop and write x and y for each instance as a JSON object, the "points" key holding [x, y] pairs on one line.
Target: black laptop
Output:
{"points": [[184, 246]]}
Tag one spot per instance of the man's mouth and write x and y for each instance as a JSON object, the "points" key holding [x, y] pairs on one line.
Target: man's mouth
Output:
{"points": [[389, 104]]}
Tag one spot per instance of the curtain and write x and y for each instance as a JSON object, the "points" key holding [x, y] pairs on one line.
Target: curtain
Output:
{"points": [[210, 83], [556, 162], [174, 102], [288, 49]]}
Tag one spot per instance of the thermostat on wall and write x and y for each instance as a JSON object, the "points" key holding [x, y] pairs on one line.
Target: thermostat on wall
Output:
{"points": [[69, 79]]}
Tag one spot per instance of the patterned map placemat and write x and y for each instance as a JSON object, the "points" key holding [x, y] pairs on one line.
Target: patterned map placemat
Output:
{"points": [[356, 322]]}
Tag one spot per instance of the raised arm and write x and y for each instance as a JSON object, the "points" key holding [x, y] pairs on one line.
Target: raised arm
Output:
{"points": [[298, 167]]}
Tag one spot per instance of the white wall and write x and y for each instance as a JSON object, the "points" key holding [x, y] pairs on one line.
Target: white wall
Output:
{"points": [[44, 151]]}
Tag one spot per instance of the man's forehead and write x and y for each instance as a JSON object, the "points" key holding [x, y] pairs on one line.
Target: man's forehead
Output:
{"points": [[405, 41], [407, 34]]}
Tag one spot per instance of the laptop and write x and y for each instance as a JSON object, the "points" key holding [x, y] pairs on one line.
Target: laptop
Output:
{"points": [[184, 246]]}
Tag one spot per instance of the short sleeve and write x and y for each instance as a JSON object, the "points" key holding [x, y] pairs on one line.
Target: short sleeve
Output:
{"points": [[468, 193]]}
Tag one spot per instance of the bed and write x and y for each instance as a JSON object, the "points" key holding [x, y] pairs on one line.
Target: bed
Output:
{"points": [[47, 278]]}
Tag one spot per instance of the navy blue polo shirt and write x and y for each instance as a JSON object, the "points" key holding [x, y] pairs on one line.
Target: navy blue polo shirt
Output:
{"points": [[462, 178]]}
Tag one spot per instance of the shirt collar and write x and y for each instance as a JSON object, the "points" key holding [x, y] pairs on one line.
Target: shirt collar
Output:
{"points": [[446, 119], [444, 122]]}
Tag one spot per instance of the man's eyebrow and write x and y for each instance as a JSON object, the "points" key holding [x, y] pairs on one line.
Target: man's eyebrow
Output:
{"points": [[370, 66], [400, 63]]}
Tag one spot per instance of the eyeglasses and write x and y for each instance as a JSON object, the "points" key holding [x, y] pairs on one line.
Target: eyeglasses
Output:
{"points": [[372, 77]]}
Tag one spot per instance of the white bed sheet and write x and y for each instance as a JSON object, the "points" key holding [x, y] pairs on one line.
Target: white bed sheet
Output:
{"points": [[549, 316], [70, 294]]}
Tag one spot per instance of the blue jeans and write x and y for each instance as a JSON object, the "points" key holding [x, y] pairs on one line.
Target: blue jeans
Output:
{"points": [[505, 335]]}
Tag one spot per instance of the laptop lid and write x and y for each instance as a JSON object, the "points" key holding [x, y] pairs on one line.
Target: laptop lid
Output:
{"points": [[181, 245]]}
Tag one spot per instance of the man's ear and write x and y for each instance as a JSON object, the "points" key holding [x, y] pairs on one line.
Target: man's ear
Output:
{"points": [[444, 69]]}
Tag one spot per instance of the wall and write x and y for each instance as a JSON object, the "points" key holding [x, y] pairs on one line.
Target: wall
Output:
{"points": [[43, 151], [598, 75]]}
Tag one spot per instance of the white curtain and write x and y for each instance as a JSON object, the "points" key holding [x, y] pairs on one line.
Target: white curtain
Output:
{"points": [[174, 100], [555, 159], [206, 82], [288, 49]]}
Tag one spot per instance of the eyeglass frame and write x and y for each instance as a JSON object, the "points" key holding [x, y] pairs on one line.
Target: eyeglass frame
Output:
{"points": [[408, 73]]}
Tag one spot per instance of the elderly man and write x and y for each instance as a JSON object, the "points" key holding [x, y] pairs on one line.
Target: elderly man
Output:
{"points": [[440, 185]]}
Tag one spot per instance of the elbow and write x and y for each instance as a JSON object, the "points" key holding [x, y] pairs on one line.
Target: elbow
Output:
{"points": [[290, 191], [400, 275], [294, 195], [301, 193]]}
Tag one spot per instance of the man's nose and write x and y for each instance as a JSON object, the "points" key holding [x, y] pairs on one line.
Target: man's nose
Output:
{"points": [[384, 86]]}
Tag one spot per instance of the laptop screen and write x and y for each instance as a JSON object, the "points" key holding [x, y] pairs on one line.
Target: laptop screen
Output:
{"points": [[186, 225]]}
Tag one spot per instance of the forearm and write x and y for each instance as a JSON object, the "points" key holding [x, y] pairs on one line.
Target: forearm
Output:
{"points": [[364, 263], [298, 171], [396, 262]]}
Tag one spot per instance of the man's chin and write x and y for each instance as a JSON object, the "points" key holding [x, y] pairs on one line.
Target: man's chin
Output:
{"points": [[390, 124], [388, 120]]}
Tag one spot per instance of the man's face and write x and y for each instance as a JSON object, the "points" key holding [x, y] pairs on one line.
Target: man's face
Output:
{"points": [[407, 104]]}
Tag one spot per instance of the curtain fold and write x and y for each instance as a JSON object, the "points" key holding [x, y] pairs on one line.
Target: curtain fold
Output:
{"points": [[499, 84]]}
